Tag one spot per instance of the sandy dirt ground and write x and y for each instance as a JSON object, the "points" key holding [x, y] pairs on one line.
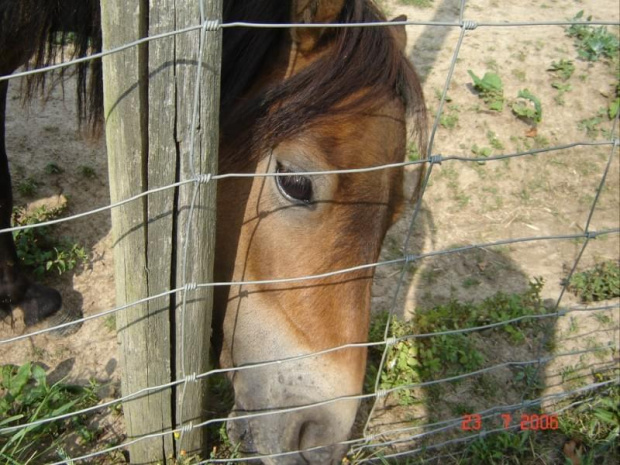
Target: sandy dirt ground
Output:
{"points": [[465, 203]]}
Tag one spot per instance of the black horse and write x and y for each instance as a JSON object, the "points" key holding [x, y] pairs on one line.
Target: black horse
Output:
{"points": [[34, 34]]}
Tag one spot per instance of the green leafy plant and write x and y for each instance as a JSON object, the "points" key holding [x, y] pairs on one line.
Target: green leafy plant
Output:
{"points": [[564, 69], [28, 187], [449, 120], [490, 88], [53, 168], [602, 282], [591, 125], [494, 141], [495, 448], [481, 152], [592, 42], [411, 361], [523, 106], [39, 250], [596, 425], [26, 396], [87, 171]]}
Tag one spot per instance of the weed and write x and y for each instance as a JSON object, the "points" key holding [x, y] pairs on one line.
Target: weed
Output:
{"points": [[449, 120], [52, 168], [28, 187], [602, 282], [413, 153], [519, 74], [40, 251], [87, 171], [28, 397], [529, 376], [602, 319], [110, 322], [225, 448], [491, 90], [592, 42], [410, 361], [470, 282], [481, 152], [563, 68], [523, 108], [496, 448], [561, 87], [494, 141], [596, 425], [614, 105], [591, 125]]}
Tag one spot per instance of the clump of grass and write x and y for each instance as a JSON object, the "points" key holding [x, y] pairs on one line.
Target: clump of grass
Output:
{"points": [[87, 171], [26, 396], [28, 187], [449, 120], [39, 250], [564, 69], [595, 426], [602, 282], [410, 361], [53, 168], [496, 448]]}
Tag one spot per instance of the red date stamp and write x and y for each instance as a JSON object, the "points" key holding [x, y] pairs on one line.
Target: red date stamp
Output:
{"points": [[528, 422]]}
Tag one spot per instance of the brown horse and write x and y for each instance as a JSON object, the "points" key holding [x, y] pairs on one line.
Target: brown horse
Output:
{"points": [[297, 101], [293, 101]]}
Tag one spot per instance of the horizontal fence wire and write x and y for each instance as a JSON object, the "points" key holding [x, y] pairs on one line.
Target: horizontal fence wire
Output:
{"points": [[386, 342], [365, 442], [455, 424], [205, 178], [403, 260]]}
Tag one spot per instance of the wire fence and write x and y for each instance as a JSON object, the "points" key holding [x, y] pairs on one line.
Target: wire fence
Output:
{"points": [[396, 442]]}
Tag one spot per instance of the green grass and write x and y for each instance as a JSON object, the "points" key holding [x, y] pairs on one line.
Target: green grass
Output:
{"points": [[564, 69], [602, 282], [411, 361], [87, 171], [593, 43], [39, 250], [28, 187], [53, 168], [27, 396]]}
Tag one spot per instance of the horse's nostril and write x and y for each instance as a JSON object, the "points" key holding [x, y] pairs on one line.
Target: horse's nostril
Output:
{"points": [[314, 443], [308, 435]]}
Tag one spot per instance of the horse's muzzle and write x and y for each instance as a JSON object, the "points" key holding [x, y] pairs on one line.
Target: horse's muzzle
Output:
{"points": [[307, 436]]}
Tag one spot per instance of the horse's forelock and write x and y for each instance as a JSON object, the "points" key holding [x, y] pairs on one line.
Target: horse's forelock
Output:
{"points": [[365, 68]]}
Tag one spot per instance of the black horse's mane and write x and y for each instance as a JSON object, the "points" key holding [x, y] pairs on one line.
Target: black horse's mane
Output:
{"points": [[37, 33]]}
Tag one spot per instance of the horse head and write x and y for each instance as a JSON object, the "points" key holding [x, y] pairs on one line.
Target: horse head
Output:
{"points": [[320, 99]]}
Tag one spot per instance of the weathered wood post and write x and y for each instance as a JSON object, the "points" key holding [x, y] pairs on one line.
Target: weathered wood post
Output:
{"points": [[149, 102]]}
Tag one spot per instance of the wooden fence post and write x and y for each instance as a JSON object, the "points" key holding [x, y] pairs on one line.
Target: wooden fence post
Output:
{"points": [[149, 94]]}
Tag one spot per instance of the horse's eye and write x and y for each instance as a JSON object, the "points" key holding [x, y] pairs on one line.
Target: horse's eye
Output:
{"points": [[296, 188]]}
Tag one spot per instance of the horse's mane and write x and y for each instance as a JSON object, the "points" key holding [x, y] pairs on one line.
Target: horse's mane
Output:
{"points": [[368, 64], [54, 29]]}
